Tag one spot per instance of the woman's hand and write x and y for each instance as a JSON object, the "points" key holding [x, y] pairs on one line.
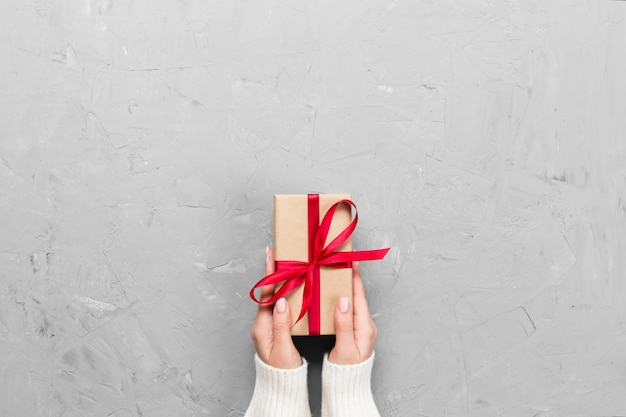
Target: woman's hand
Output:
{"points": [[354, 327], [271, 332]]}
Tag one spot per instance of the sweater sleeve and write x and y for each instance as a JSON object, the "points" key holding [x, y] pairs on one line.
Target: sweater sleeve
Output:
{"points": [[346, 390], [279, 392]]}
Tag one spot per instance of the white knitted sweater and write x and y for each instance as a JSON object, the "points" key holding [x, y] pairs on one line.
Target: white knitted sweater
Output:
{"points": [[346, 391]]}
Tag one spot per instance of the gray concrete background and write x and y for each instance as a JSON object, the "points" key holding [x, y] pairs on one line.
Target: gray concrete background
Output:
{"points": [[141, 143]]}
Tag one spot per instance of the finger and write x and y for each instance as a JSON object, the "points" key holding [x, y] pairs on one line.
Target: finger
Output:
{"points": [[268, 290], [344, 325], [361, 309], [282, 325], [269, 261], [266, 293]]}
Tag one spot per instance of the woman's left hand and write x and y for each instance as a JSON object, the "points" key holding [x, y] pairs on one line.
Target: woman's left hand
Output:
{"points": [[271, 331]]}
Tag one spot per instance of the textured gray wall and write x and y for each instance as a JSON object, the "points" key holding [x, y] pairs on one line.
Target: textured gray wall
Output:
{"points": [[141, 143]]}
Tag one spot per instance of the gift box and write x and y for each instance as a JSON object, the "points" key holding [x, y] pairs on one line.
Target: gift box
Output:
{"points": [[313, 253], [292, 242]]}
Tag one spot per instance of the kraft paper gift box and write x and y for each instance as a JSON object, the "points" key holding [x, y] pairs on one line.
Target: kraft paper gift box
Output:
{"points": [[291, 242]]}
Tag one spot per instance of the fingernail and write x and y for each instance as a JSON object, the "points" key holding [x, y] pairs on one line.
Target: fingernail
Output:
{"points": [[267, 254], [281, 305], [344, 304]]}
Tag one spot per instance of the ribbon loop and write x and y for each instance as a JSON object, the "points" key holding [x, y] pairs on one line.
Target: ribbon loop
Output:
{"points": [[292, 274]]}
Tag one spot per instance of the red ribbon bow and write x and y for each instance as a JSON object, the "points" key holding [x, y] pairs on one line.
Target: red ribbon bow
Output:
{"points": [[295, 273]]}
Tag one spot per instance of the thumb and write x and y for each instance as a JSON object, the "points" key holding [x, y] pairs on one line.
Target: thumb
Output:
{"points": [[282, 323], [344, 326]]}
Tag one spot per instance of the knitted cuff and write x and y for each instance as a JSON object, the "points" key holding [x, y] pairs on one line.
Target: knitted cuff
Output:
{"points": [[346, 389], [279, 392]]}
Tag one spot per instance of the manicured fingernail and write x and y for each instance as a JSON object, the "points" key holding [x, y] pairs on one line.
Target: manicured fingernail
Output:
{"points": [[344, 304], [281, 305], [267, 254]]}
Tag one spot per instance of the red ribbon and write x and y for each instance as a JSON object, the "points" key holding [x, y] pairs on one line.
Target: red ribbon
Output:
{"points": [[295, 273]]}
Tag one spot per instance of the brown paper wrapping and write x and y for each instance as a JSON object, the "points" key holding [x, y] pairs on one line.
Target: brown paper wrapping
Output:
{"points": [[291, 243]]}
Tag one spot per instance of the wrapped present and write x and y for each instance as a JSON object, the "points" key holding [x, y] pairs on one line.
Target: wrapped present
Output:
{"points": [[313, 252]]}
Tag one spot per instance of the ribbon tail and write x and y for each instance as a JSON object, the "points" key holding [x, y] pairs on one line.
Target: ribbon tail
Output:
{"points": [[339, 259], [307, 295], [286, 276]]}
